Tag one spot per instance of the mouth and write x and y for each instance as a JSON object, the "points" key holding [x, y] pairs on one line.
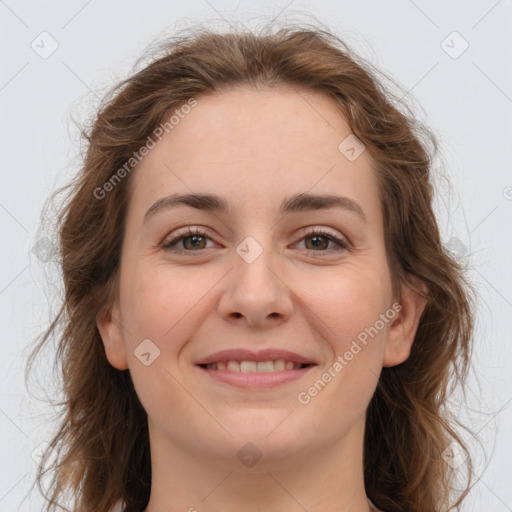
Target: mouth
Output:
{"points": [[256, 366], [264, 369], [267, 356]]}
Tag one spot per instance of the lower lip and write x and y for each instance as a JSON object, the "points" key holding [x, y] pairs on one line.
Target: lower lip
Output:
{"points": [[257, 380]]}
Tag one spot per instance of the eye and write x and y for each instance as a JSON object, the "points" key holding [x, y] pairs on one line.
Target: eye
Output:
{"points": [[191, 239], [320, 239], [194, 239]]}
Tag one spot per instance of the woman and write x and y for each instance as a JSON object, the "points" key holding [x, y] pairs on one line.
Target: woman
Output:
{"points": [[259, 312]]}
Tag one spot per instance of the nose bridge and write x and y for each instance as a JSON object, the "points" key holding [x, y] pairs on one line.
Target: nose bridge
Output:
{"points": [[253, 266], [256, 291]]}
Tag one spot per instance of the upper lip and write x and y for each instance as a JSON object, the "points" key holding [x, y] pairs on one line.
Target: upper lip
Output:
{"points": [[271, 354]]}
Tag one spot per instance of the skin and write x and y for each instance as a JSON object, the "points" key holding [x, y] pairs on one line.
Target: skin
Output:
{"points": [[254, 148]]}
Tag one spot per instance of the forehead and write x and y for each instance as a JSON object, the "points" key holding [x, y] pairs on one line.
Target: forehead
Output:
{"points": [[255, 146]]}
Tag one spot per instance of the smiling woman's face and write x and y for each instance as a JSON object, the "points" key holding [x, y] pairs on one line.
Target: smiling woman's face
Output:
{"points": [[267, 274]]}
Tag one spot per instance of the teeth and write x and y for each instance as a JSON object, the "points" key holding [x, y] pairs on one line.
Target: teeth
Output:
{"points": [[248, 366], [279, 365], [255, 367], [265, 366], [233, 366]]}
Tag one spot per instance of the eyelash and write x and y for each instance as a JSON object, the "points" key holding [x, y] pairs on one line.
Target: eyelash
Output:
{"points": [[189, 232]]}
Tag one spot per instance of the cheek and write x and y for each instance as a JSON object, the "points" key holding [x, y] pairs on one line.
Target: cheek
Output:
{"points": [[348, 313], [159, 302], [347, 302]]}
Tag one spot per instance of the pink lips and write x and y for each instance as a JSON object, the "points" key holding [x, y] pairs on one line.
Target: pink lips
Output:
{"points": [[255, 380], [270, 354]]}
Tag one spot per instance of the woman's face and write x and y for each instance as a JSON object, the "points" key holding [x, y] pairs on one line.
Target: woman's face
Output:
{"points": [[267, 274]]}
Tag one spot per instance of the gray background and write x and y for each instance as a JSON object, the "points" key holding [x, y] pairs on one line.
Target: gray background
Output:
{"points": [[465, 97]]}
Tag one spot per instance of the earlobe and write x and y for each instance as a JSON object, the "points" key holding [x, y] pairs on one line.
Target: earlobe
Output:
{"points": [[403, 329], [111, 333]]}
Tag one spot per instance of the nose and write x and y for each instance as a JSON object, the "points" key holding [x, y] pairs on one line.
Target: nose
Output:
{"points": [[256, 292]]}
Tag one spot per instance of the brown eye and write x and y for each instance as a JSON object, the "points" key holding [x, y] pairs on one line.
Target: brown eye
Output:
{"points": [[317, 242], [192, 240], [195, 242]]}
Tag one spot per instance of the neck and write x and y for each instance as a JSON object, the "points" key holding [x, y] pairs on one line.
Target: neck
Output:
{"points": [[327, 479]]}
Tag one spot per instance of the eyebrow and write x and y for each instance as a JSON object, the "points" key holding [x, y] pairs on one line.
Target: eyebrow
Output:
{"points": [[297, 203]]}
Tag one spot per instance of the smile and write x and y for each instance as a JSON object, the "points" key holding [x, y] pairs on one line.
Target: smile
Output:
{"points": [[254, 366], [248, 375]]}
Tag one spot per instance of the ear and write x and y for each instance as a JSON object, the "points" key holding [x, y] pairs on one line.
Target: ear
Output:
{"points": [[403, 329], [111, 332]]}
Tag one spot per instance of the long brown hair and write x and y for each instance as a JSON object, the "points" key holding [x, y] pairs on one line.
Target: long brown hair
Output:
{"points": [[102, 444]]}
